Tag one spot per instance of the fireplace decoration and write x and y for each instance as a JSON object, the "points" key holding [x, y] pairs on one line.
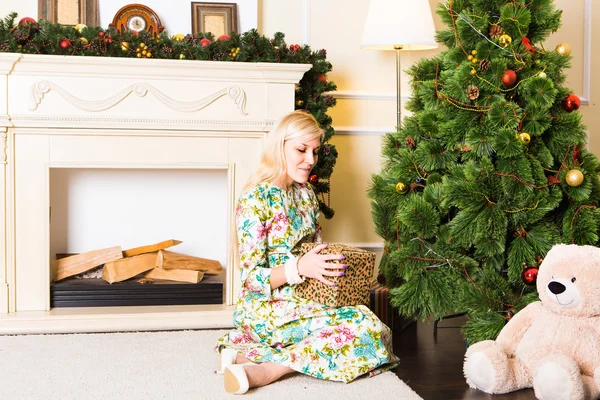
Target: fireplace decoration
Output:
{"points": [[101, 112]]}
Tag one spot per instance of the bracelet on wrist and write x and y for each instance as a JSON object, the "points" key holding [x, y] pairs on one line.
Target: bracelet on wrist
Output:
{"points": [[290, 269]]}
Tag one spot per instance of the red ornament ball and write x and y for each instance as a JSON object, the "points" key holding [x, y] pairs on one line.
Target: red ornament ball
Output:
{"points": [[571, 103], [509, 78], [529, 275], [26, 20], [224, 37], [314, 178], [205, 42], [64, 43], [322, 78]]}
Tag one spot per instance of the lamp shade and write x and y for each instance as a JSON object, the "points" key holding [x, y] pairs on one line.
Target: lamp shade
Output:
{"points": [[399, 24]]}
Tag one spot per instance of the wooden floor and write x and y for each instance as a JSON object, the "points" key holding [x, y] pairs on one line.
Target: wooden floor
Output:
{"points": [[432, 367]]}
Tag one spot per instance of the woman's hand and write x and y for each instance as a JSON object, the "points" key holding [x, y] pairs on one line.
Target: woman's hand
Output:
{"points": [[315, 265]]}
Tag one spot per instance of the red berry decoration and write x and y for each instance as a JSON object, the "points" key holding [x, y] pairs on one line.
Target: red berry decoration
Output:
{"points": [[571, 103], [509, 78], [64, 43], [224, 37], [322, 78], [26, 20], [314, 178], [529, 275], [205, 42], [294, 47]]}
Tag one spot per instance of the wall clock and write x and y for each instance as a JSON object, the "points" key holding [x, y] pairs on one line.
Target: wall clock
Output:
{"points": [[137, 17]]}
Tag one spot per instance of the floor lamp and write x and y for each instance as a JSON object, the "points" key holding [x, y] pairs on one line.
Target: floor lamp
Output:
{"points": [[400, 25]]}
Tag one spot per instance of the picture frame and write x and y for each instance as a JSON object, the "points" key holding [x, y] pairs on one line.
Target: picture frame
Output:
{"points": [[216, 18], [69, 12]]}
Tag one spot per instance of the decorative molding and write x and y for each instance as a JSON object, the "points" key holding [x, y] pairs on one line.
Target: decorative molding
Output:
{"points": [[365, 95], [306, 9], [356, 130], [40, 88], [156, 123], [3, 298], [587, 52], [3, 155]]}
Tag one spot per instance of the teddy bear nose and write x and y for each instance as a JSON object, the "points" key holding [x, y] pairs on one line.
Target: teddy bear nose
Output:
{"points": [[556, 288]]}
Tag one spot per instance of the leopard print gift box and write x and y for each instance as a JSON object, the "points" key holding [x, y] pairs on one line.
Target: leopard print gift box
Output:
{"points": [[352, 288]]}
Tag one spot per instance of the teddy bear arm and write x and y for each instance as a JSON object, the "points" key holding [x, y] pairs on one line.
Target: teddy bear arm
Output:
{"points": [[513, 331]]}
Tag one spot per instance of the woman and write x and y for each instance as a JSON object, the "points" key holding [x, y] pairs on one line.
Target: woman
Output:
{"points": [[276, 331]]}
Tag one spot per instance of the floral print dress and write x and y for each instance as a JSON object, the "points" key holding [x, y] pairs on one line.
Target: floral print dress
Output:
{"points": [[336, 344]]}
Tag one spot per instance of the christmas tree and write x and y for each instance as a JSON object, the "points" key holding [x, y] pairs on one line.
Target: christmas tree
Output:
{"points": [[488, 172]]}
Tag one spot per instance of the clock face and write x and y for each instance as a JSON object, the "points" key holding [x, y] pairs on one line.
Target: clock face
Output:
{"points": [[136, 23]]}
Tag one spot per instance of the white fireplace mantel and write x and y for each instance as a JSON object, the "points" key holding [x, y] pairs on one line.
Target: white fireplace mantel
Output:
{"points": [[100, 112]]}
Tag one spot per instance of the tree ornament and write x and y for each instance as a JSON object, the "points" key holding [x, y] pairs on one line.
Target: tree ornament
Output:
{"points": [[469, 57], [505, 40], [182, 56], [529, 275], [224, 37], [322, 78], [294, 48], [64, 43], [125, 46], [79, 28], [402, 187], [485, 64], [474, 52], [300, 103], [473, 92], [24, 21], [474, 60], [83, 40], [571, 103], [205, 42], [563, 49], [509, 78], [574, 178], [314, 179], [178, 37], [495, 31], [524, 138], [542, 75]]}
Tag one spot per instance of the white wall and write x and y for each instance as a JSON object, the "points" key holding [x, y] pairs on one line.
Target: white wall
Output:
{"points": [[175, 15]]}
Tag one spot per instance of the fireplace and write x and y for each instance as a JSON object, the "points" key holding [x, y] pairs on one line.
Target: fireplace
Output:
{"points": [[96, 115]]}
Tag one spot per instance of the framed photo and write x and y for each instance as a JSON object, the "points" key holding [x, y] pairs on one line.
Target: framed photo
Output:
{"points": [[216, 18], [69, 12]]}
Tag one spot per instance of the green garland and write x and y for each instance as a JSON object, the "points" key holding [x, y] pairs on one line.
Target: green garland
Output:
{"points": [[43, 37]]}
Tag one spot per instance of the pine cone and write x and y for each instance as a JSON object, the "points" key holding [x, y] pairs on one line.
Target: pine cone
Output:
{"points": [[410, 142], [495, 31], [485, 64], [473, 92], [4, 47], [381, 279]]}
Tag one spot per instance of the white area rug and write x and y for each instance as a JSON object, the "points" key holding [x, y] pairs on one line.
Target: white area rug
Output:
{"points": [[151, 365]]}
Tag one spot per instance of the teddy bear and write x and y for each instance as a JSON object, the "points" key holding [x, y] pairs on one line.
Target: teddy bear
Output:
{"points": [[553, 344]]}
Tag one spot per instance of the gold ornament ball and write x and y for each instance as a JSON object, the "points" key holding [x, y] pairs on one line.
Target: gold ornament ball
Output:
{"points": [[83, 40], [80, 27], [574, 177], [542, 74], [178, 37], [469, 57], [124, 46], [505, 40], [563, 49], [300, 103], [401, 187], [524, 137], [182, 56], [474, 52]]}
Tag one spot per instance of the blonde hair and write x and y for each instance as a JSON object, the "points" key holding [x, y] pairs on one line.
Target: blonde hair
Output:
{"points": [[272, 165]]}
